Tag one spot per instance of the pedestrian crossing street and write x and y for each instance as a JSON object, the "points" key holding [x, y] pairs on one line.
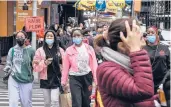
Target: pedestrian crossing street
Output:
{"points": [[37, 98]]}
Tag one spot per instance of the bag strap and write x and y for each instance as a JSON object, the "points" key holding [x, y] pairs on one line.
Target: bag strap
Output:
{"points": [[12, 54], [165, 77]]}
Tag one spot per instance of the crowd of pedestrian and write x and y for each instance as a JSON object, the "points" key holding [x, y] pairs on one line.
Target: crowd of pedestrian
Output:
{"points": [[127, 68]]}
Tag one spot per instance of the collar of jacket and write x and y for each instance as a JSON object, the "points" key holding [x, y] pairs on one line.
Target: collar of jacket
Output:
{"points": [[73, 49], [119, 58]]}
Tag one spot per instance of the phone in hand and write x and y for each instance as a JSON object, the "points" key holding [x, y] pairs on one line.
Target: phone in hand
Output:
{"points": [[50, 59]]}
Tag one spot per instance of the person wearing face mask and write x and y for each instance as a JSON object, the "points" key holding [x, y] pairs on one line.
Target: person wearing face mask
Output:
{"points": [[159, 55], [19, 65], [80, 64], [125, 77], [47, 62]]}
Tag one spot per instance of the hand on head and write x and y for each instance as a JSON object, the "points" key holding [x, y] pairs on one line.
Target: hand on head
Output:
{"points": [[133, 40]]}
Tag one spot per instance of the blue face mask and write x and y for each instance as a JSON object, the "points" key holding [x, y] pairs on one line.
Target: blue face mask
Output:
{"points": [[151, 39], [77, 41], [49, 41]]}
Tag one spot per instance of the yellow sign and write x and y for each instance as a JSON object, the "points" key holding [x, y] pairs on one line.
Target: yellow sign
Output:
{"points": [[110, 7], [88, 2], [22, 14], [84, 7], [119, 3], [113, 5]]}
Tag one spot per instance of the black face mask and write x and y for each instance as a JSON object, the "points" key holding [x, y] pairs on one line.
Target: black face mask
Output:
{"points": [[20, 41]]}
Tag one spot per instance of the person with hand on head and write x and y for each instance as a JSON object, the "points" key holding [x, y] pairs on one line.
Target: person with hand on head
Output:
{"points": [[19, 61], [47, 61], [159, 55], [125, 77], [80, 64]]}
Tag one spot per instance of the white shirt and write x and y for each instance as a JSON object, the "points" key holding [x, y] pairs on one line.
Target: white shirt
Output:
{"points": [[82, 62]]}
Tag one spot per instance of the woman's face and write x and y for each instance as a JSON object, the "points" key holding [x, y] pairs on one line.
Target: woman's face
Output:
{"points": [[20, 35], [77, 37], [49, 38], [49, 35], [77, 34], [20, 38], [151, 31], [151, 36]]}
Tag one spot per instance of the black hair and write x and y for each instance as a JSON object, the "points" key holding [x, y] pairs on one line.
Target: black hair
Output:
{"points": [[52, 27], [53, 53], [76, 30], [25, 34], [86, 31], [114, 30]]}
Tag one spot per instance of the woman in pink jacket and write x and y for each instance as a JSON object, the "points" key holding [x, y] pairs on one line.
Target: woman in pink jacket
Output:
{"points": [[125, 77], [80, 64], [47, 62]]}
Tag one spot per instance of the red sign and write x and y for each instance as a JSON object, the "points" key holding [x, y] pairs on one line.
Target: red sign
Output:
{"points": [[34, 24]]}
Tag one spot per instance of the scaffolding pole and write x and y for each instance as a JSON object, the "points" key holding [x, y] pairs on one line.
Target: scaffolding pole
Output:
{"points": [[33, 43]]}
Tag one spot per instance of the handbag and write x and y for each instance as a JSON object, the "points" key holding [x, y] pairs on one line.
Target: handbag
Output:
{"points": [[9, 70], [65, 100]]}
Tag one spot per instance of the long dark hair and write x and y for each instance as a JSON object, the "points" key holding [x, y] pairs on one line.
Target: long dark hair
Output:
{"points": [[53, 53]]}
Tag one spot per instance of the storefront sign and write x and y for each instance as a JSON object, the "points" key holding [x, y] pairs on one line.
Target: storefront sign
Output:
{"points": [[22, 14], [34, 24]]}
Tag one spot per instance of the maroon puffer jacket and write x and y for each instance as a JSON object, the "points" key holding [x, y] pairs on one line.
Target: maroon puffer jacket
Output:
{"points": [[120, 89]]}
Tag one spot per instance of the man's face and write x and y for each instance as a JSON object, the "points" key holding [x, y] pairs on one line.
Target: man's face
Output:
{"points": [[69, 29]]}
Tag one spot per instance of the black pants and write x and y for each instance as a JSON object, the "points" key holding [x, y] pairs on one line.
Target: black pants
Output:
{"points": [[81, 89]]}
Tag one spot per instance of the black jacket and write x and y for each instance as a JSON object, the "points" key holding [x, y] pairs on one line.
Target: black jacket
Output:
{"points": [[160, 60]]}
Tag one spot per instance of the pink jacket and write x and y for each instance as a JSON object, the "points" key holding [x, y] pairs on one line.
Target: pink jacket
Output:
{"points": [[71, 64], [41, 67]]}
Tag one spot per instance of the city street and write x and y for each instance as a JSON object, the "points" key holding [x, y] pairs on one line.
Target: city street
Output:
{"points": [[37, 99]]}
